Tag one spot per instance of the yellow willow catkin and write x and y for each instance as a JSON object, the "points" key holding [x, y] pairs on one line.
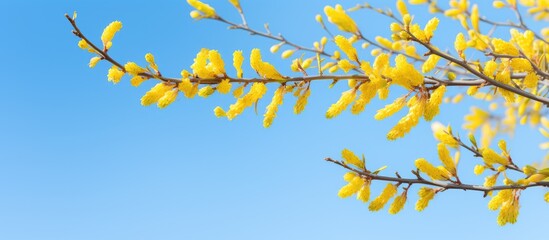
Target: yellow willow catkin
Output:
{"points": [[491, 157], [431, 171], [115, 74], [401, 7], [430, 27], [346, 98], [264, 69], [94, 61], [446, 159], [368, 91], [509, 212], [430, 63], [206, 9], [224, 86], [156, 92], [406, 123], [188, 88], [109, 32], [475, 18], [497, 200], [379, 202], [503, 47], [302, 101], [460, 44], [199, 64], [256, 92], [441, 133], [390, 109], [238, 59], [350, 158], [338, 17], [364, 193], [217, 62], [137, 80], [134, 69], [168, 98], [531, 80], [219, 112], [398, 203], [425, 196], [351, 188], [272, 108], [206, 91], [347, 47], [433, 106], [150, 60]]}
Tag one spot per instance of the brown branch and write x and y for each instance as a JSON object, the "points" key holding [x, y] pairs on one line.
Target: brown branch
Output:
{"points": [[217, 80], [440, 184]]}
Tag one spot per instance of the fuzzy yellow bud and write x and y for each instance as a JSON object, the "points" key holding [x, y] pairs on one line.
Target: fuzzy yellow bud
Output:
{"points": [[206, 9], [168, 98], [94, 61], [108, 33]]}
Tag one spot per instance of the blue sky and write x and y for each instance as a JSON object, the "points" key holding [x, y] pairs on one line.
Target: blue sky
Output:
{"points": [[82, 159]]}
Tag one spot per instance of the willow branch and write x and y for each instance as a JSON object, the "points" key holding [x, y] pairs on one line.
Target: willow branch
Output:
{"points": [[105, 55], [443, 185], [475, 72]]}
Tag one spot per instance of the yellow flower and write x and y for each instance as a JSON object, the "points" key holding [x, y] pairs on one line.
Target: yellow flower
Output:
{"points": [[531, 80], [150, 60], [491, 157], [236, 4], [479, 169], [425, 196], [272, 108], [345, 65], [490, 181], [503, 47], [398, 203], [431, 171], [219, 112], [497, 200], [430, 63], [350, 158], [224, 86], [390, 109], [475, 18], [498, 4], [134, 69], [108, 33], [351, 188], [264, 69], [94, 61], [338, 17], [401, 7], [217, 62], [430, 27], [115, 74], [188, 88], [288, 53], [199, 65], [435, 100], [168, 98], [379, 202], [368, 91], [206, 9], [521, 64], [509, 212], [460, 44], [137, 80], [364, 192], [302, 101], [446, 159], [255, 93], [406, 123], [156, 92], [238, 58], [206, 91], [346, 98], [347, 47]]}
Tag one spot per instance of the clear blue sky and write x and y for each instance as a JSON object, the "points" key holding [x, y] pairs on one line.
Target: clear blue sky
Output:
{"points": [[82, 159]]}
